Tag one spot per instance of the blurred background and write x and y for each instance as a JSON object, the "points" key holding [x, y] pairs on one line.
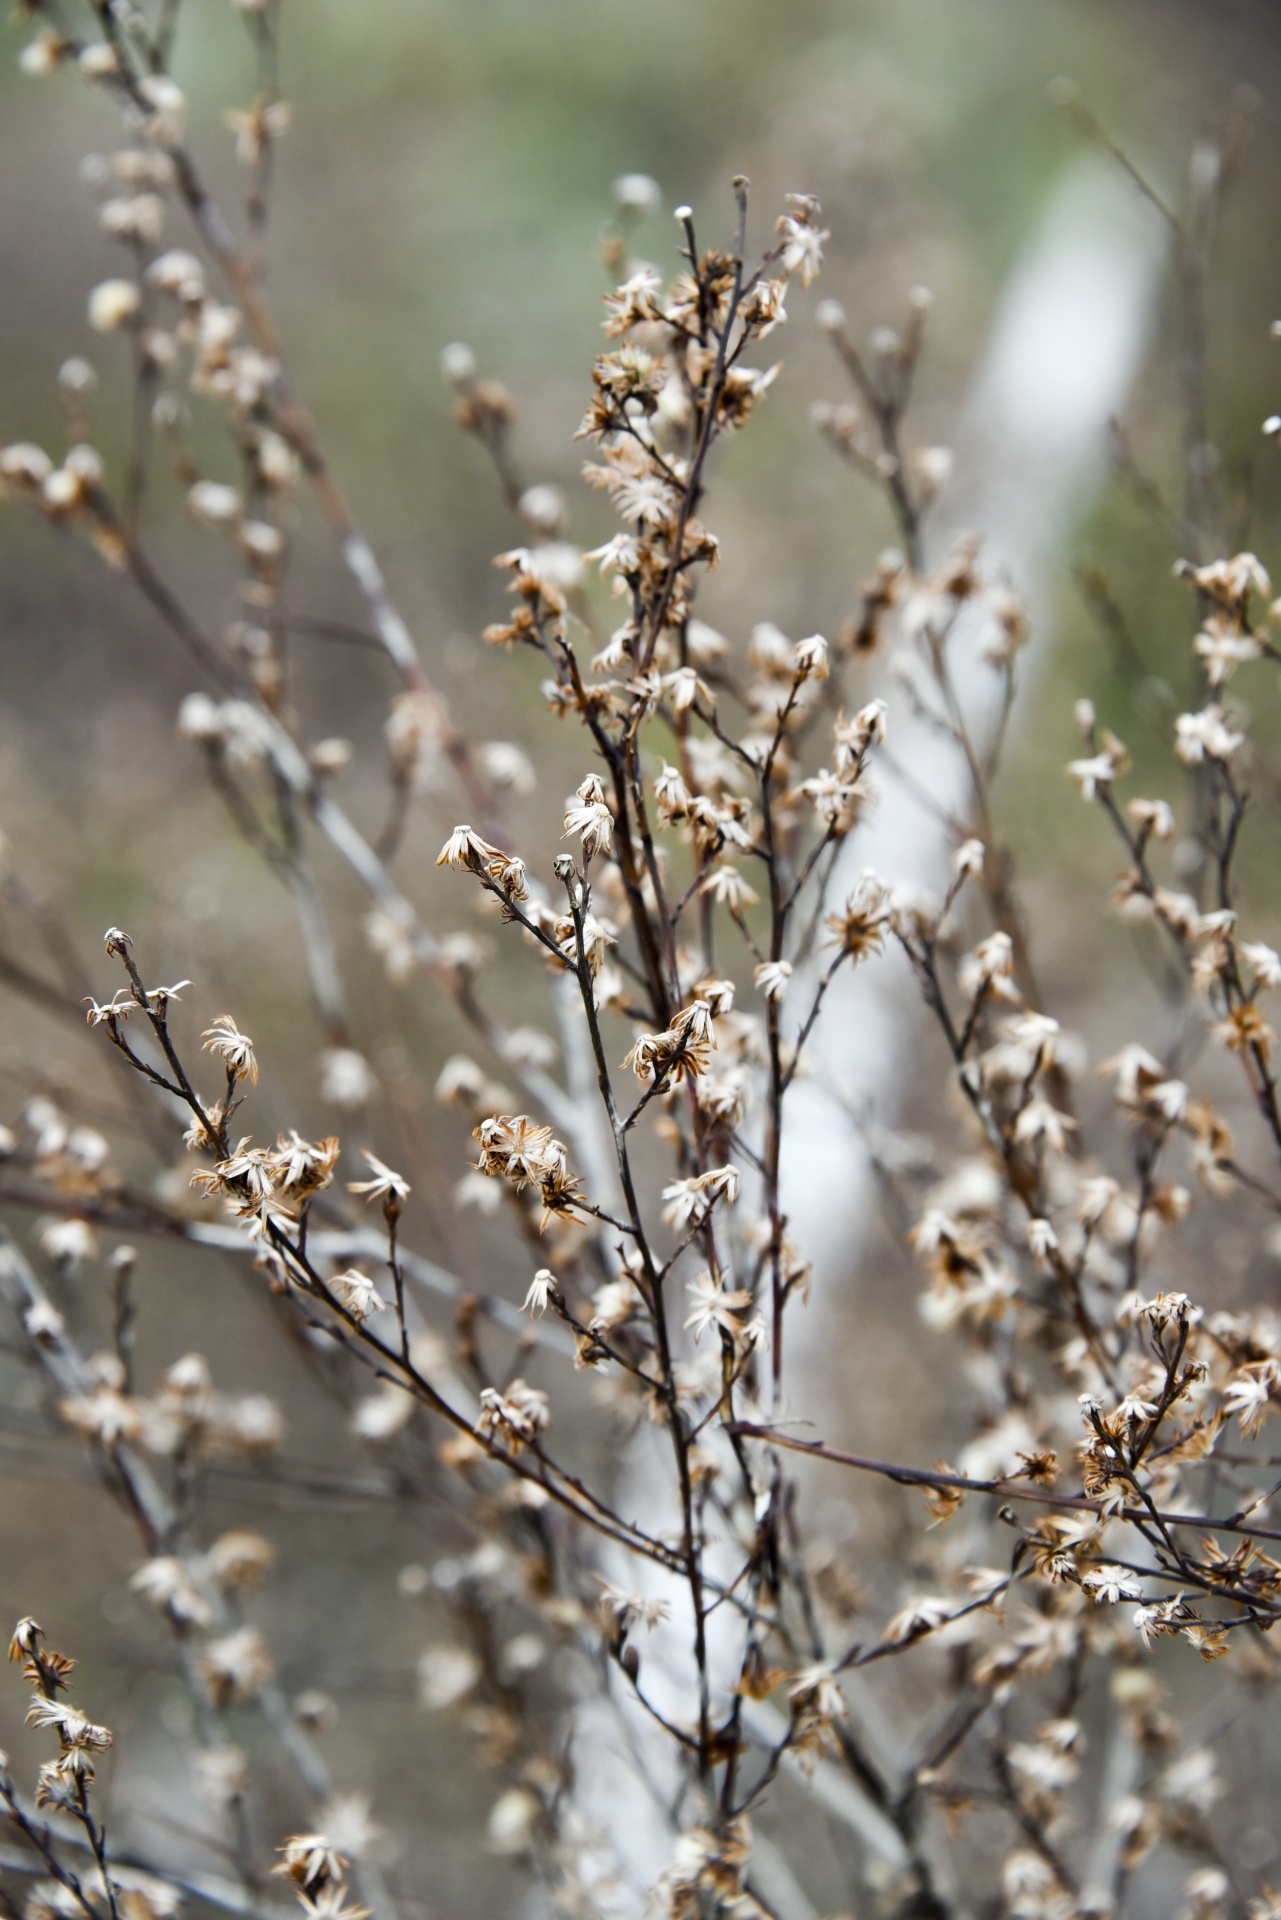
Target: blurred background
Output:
{"points": [[447, 176]]}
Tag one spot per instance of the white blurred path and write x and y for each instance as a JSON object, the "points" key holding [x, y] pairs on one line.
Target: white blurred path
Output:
{"points": [[1032, 440]]}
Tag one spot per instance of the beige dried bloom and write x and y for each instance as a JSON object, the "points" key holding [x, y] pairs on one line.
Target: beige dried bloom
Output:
{"points": [[68, 1243], [689, 1202], [45, 53], [392, 936], [103, 1415], [239, 1559], [168, 1585], [802, 252], [989, 968], [1245, 1030], [1249, 1395], [446, 1675], [299, 1168], [809, 660], [1094, 773], [460, 1082], [234, 1048], [590, 820], [346, 1077], [391, 1188], [164, 112], [861, 927], [236, 1666], [515, 1416], [1206, 736], [312, 1861], [542, 1291], [684, 1048], [771, 978], [257, 128], [1264, 962], [113, 304], [715, 1306], [383, 1414], [357, 1293], [465, 851], [920, 1616], [1109, 1584]]}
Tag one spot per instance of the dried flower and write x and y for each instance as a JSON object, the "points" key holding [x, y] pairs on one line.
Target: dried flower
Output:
{"points": [[542, 1290], [591, 820], [112, 305], [714, 1306], [391, 1188], [236, 1666], [234, 1048]]}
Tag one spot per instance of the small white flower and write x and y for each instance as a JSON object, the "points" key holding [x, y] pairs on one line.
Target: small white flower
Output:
{"points": [[542, 1288], [1090, 775], [1249, 1394], [1192, 1780], [1205, 736], [385, 1185], [69, 1243], [1152, 817], [512, 1820], [177, 272], [43, 1322], [1110, 1584], [43, 54], [989, 966], [167, 109], [215, 504], [346, 1077], [168, 1585], [726, 885], [810, 661], [201, 719], [690, 1201], [221, 1773], [1264, 961], [802, 248], [25, 465], [920, 1616], [772, 977], [357, 1293], [112, 305], [261, 540], [590, 819], [445, 1676], [969, 857], [236, 1667], [1042, 1239], [234, 1048], [507, 766], [715, 1306], [382, 1414], [133, 217]]}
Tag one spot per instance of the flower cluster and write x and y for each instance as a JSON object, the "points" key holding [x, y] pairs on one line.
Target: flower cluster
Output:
{"points": [[515, 1148], [64, 1781], [1087, 1239]]}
